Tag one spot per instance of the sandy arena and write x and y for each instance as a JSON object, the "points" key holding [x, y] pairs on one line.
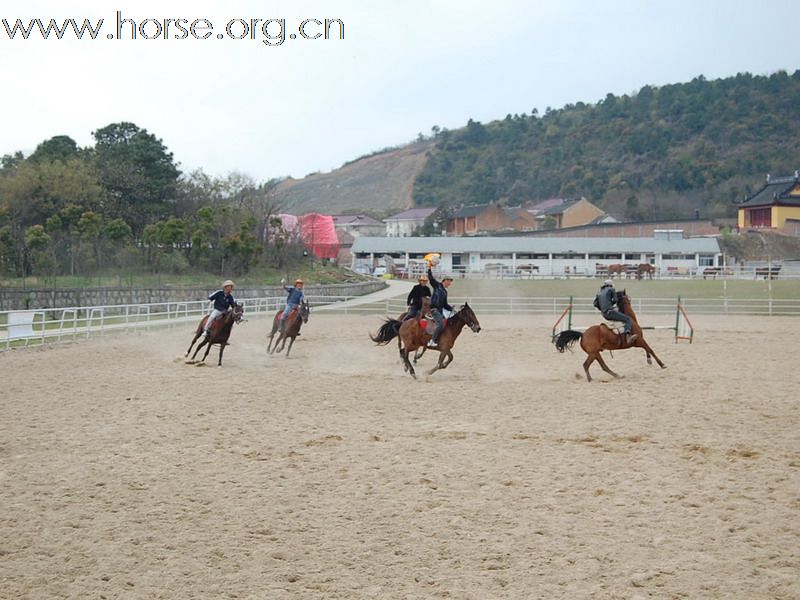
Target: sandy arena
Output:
{"points": [[126, 474]]}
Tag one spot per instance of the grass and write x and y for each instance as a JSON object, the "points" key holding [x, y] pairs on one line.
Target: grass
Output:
{"points": [[312, 272]]}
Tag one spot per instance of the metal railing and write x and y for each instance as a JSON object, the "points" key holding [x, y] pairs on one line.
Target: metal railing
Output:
{"points": [[23, 328], [51, 325]]}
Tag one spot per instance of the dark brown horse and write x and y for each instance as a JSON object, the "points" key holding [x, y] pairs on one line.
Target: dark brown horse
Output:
{"points": [[601, 337], [219, 334], [411, 336], [291, 330]]}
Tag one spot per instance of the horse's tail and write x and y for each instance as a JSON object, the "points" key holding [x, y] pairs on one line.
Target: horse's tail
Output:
{"points": [[565, 339], [387, 332]]}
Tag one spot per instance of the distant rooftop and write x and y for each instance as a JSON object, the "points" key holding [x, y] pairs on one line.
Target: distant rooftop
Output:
{"points": [[355, 220], [777, 190], [412, 214]]}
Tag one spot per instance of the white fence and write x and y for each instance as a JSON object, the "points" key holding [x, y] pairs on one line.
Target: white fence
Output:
{"points": [[23, 328]]}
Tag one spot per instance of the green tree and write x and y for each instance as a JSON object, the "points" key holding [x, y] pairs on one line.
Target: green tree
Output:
{"points": [[138, 173]]}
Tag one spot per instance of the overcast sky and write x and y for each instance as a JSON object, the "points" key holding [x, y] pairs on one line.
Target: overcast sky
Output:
{"points": [[404, 66]]}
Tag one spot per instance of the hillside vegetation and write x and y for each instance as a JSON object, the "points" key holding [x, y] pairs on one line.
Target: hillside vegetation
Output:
{"points": [[661, 152]]}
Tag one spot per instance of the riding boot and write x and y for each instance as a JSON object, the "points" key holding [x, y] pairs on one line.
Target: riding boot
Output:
{"points": [[282, 326], [632, 337]]}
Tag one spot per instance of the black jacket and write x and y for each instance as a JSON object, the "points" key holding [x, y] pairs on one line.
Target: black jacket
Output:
{"points": [[221, 301], [417, 293], [606, 299], [439, 296]]}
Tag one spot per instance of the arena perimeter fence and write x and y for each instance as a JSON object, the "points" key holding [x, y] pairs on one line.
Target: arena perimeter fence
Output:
{"points": [[51, 325]]}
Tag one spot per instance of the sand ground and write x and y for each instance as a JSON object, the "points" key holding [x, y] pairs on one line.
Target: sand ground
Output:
{"points": [[125, 474]]}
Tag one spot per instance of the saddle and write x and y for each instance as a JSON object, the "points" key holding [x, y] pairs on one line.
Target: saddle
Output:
{"points": [[424, 323], [215, 324], [618, 329]]}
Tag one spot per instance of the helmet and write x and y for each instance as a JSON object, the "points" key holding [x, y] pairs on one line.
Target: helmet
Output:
{"points": [[227, 283], [300, 281], [608, 282]]}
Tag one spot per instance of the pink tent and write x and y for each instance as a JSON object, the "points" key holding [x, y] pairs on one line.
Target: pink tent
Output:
{"points": [[319, 235]]}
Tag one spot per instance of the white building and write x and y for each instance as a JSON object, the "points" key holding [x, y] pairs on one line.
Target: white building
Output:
{"points": [[405, 223], [357, 225], [669, 252]]}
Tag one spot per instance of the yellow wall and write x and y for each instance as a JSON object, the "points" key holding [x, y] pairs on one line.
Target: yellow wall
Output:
{"points": [[742, 223], [781, 213], [580, 213]]}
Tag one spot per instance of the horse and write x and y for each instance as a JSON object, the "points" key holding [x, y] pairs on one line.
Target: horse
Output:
{"points": [[219, 334], [411, 336], [617, 269], [645, 269], [600, 337], [294, 322]]}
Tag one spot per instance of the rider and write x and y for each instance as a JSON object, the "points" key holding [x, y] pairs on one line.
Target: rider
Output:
{"points": [[223, 301], [296, 296], [439, 304], [606, 302], [415, 296]]}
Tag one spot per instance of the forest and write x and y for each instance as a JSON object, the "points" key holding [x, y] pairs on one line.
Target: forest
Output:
{"points": [[662, 152], [123, 205]]}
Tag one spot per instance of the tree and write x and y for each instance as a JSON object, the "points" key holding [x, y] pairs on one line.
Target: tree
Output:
{"points": [[138, 173], [60, 147]]}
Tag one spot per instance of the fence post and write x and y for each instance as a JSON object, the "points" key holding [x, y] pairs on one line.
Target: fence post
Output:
{"points": [[569, 316]]}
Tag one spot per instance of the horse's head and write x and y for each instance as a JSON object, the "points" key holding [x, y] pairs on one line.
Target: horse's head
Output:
{"points": [[623, 302], [305, 311], [238, 312], [466, 314]]}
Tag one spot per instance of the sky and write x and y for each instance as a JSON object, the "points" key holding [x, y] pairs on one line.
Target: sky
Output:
{"points": [[309, 105]]}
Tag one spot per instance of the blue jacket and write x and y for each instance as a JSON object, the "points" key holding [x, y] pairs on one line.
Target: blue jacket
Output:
{"points": [[439, 296], [295, 296], [221, 301]]}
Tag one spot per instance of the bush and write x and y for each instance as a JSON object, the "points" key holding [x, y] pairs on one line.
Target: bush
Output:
{"points": [[174, 263]]}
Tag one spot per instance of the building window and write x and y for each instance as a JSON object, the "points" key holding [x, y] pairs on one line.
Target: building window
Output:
{"points": [[605, 257], [677, 257], [569, 256], [495, 256], [525, 256], [706, 260]]}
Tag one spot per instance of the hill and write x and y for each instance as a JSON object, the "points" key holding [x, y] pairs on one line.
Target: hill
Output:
{"points": [[379, 184], [662, 152]]}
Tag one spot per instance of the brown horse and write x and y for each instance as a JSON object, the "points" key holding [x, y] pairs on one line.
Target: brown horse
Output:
{"points": [[600, 337], [294, 322], [411, 336], [219, 334], [645, 269], [616, 270]]}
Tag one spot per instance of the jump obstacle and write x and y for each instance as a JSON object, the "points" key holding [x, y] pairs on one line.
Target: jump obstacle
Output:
{"points": [[683, 326]]}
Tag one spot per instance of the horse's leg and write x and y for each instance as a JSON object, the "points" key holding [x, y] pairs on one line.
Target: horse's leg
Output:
{"points": [[605, 366], [200, 345], [208, 349], [449, 359], [408, 366], [439, 363], [650, 352], [221, 350], [269, 342], [196, 335], [418, 354], [289, 349], [590, 358]]}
